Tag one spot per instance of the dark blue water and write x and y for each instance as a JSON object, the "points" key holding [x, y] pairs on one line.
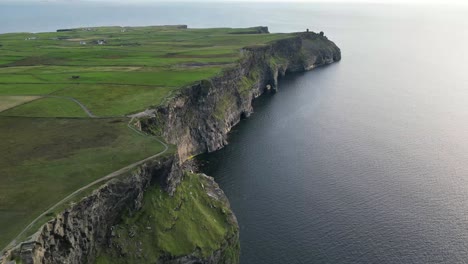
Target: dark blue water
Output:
{"points": [[364, 161]]}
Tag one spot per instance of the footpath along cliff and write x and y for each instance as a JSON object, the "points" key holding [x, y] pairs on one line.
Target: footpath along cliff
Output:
{"points": [[150, 215]]}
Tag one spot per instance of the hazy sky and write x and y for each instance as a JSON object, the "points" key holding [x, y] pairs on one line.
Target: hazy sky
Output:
{"points": [[455, 3], [344, 1]]}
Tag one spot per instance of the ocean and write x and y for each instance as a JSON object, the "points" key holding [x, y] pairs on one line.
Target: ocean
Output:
{"points": [[362, 161]]}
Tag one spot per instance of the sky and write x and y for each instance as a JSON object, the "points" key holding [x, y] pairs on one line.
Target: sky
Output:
{"points": [[455, 3], [311, 1]]}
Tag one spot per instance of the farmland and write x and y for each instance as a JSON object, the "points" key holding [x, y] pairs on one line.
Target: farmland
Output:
{"points": [[65, 98]]}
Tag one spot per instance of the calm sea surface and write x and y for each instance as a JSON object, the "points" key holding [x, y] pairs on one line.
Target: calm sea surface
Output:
{"points": [[364, 161]]}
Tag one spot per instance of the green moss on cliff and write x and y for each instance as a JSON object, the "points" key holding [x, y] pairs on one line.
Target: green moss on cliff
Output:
{"points": [[189, 223], [223, 105], [247, 83], [274, 62]]}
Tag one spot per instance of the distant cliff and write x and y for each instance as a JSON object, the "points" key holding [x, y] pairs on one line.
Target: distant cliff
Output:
{"points": [[197, 120]]}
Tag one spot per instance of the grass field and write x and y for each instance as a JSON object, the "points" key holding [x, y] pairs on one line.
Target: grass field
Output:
{"points": [[50, 146], [140, 65], [44, 159], [46, 107], [12, 101]]}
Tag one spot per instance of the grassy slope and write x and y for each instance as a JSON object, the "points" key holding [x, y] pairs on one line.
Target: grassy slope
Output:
{"points": [[44, 159], [191, 221], [124, 98], [47, 107], [160, 59]]}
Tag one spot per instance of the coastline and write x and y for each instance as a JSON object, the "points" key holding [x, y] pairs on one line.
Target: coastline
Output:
{"points": [[197, 120]]}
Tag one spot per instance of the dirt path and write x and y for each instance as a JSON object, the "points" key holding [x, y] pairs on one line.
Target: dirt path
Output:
{"points": [[87, 111]]}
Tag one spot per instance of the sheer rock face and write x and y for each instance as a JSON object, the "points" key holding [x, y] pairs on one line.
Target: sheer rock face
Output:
{"points": [[200, 117], [197, 120]]}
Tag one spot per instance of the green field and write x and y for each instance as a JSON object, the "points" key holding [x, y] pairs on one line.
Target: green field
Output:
{"points": [[46, 107], [137, 65], [45, 159], [7, 102], [51, 146]]}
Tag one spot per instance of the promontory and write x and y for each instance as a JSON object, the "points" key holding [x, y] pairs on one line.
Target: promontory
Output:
{"points": [[99, 126]]}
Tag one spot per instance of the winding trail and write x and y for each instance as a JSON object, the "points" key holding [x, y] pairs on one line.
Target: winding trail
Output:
{"points": [[87, 111], [100, 180]]}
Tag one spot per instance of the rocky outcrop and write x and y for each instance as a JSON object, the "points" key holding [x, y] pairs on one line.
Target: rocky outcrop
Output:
{"points": [[228, 253], [197, 120], [196, 225]]}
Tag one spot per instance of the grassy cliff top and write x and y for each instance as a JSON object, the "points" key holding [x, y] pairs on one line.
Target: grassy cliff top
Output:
{"points": [[113, 71], [54, 85]]}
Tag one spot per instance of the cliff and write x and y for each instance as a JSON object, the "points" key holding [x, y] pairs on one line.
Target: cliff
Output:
{"points": [[75, 235], [194, 225], [197, 120]]}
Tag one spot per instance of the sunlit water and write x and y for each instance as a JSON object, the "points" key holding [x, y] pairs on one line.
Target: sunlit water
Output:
{"points": [[364, 161]]}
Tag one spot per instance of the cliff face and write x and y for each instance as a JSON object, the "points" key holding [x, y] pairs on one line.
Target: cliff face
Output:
{"points": [[194, 225], [200, 117], [75, 235], [197, 120]]}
